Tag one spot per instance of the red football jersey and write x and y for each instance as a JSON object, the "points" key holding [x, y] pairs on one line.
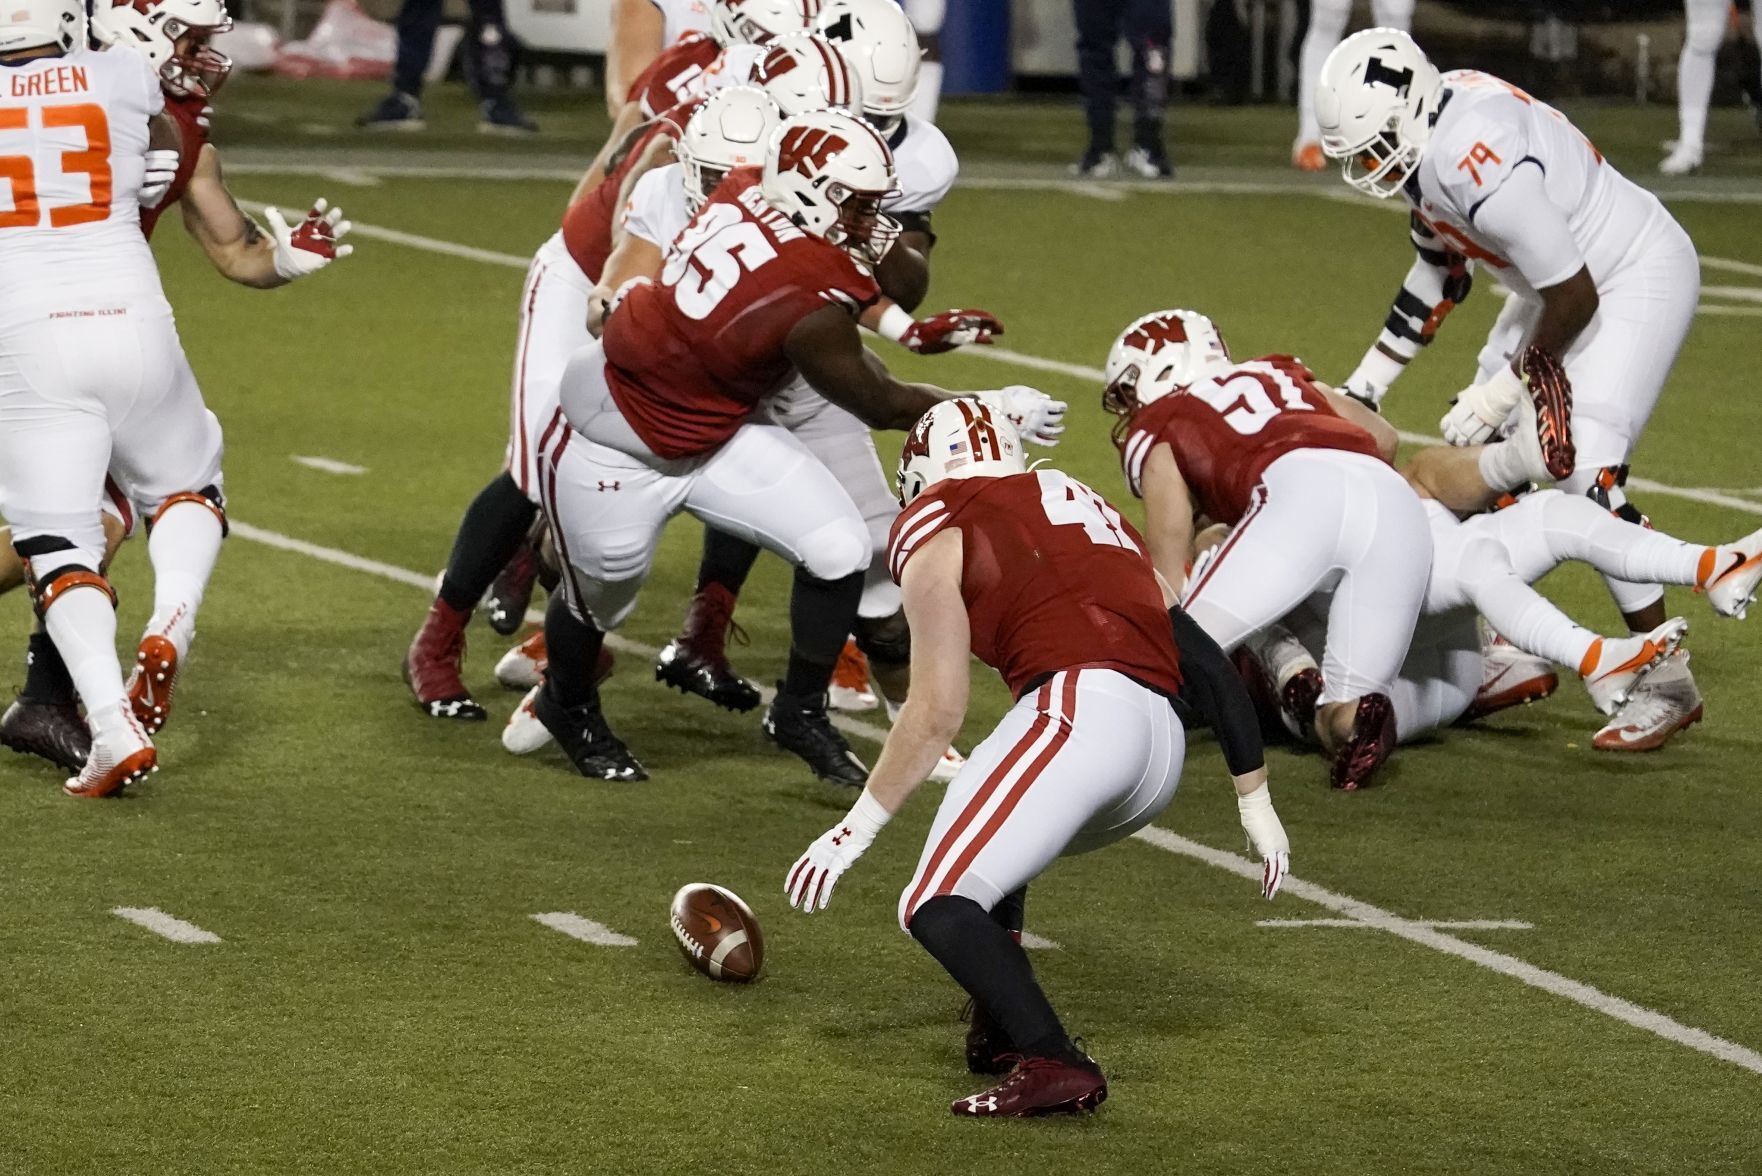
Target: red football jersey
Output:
{"points": [[587, 224], [1225, 431], [675, 75], [1053, 578], [690, 356], [186, 113]]}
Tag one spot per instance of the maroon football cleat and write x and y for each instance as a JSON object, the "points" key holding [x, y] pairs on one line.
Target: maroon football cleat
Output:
{"points": [[989, 1049], [1370, 744], [435, 663], [1297, 701], [696, 661], [511, 593], [1039, 1086], [1551, 392]]}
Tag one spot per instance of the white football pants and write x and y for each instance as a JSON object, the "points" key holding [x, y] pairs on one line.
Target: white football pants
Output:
{"points": [[1325, 521], [1084, 760]]}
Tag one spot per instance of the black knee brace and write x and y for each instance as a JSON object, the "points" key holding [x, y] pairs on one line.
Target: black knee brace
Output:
{"points": [[887, 640]]}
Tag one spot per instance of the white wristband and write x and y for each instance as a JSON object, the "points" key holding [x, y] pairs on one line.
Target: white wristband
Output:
{"points": [[895, 322], [1260, 821], [867, 816]]}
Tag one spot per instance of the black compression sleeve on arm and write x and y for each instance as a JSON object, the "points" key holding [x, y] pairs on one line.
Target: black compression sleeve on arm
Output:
{"points": [[1210, 685]]}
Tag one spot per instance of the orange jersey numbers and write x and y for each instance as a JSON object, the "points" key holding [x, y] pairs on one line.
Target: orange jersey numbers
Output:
{"points": [[1478, 156], [92, 160]]}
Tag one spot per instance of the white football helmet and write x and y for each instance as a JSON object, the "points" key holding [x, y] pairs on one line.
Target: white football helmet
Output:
{"points": [[829, 172], [803, 72], [1159, 354], [1376, 99], [881, 43], [960, 438], [731, 129], [31, 24], [757, 22], [173, 35]]}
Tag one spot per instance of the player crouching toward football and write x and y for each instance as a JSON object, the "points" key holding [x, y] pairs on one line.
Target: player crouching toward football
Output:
{"points": [[1040, 578]]}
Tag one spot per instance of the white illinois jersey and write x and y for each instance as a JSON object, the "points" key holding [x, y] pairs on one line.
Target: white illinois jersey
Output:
{"points": [[1487, 134], [679, 17], [74, 134], [925, 163], [656, 210]]}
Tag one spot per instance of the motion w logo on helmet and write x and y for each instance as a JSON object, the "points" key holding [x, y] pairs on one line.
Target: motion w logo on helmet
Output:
{"points": [[1378, 74], [809, 146]]}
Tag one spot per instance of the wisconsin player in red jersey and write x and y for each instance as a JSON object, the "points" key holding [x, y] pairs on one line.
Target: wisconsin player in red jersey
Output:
{"points": [[770, 277], [1040, 578], [1295, 470]]}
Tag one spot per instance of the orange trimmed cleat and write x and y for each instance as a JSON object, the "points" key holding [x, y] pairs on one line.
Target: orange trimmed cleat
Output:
{"points": [[523, 666], [121, 755], [1666, 703], [151, 684], [1308, 156], [1615, 666], [850, 680], [1511, 677], [1731, 575]]}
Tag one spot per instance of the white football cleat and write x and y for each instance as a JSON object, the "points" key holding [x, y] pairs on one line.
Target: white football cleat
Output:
{"points": [[524, 734], [523, 666], [121, 754], [948, 767], [1668, 701], [1737, 569], [1510, 677], [850, 681], [1683, 159], [1615, 666]]}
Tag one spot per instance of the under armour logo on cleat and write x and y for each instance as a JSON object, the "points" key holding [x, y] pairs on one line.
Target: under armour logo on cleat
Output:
{"points": [[982, 1102]]}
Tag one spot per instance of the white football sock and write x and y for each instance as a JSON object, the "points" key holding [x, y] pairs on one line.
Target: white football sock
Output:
{"points": [[929, 93], [1577, 528], [1529, 620], [1504, 465], [1694, 68], [82, 623], [183, 545]]}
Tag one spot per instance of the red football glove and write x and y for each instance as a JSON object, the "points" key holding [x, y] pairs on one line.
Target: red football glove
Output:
{"points": [[949, 330]]}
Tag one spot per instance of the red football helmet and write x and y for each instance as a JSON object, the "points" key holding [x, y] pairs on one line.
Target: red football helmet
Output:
{"points": [[174, 35]]}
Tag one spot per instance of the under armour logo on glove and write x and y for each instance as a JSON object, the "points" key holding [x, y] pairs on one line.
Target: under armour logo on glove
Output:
{"points": [[312, 244], [949, 330]]}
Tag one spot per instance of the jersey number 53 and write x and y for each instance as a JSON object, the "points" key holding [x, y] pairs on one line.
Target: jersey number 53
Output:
{"points": [[92, 160]]}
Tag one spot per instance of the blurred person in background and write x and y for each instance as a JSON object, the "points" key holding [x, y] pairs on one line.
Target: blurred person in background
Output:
{"points": [[1707, 22], [490, 68], [1327, 24], [1149, 27]]}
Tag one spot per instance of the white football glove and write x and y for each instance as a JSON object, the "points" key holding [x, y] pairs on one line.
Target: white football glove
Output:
{"points": [[312, 244], [1481, 410], [1037, 417], [1266, 837], [161, 171], [810, 882]]}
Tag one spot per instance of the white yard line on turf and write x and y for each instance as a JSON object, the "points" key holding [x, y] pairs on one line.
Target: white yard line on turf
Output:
{"points": [[1035, 942], [1426, 935], [329, 465], [1422, 933], [586, 930], [1435, 924], [160, 923]]}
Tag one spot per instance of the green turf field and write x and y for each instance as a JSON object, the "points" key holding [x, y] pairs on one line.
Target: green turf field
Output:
{"points": [[382, 1000]]}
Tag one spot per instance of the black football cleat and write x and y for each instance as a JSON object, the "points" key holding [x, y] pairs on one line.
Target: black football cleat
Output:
{"points": [[1039, 1086], [581, 731], [803, 727], [511, 593], [53, 731], [989, 1049], [1369, 746], [696, 661]]}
